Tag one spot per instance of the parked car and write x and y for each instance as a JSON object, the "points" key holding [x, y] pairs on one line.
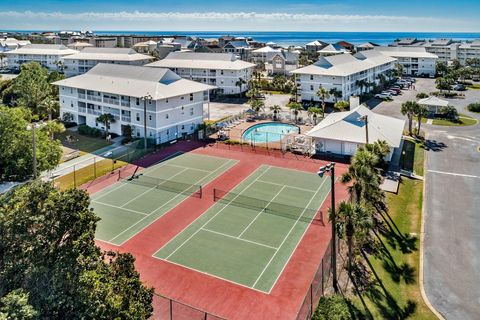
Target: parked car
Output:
{"points": [[396, 89], [382, 96], [391, 92], [459, 87]]}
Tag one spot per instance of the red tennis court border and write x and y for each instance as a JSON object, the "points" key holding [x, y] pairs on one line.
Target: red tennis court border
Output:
{"points": [[210, 294]]}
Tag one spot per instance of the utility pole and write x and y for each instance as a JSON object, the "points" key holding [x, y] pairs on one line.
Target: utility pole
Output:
{"points": [[365, 120]]}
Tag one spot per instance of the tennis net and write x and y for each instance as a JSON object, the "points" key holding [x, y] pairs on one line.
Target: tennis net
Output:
{"points": [[163, 184], [269, 207]]}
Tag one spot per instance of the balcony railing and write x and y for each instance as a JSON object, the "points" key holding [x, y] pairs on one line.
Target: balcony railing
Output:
{"points": [[111, 101], [126, 119], [125, 103], [81, 96], [94, 98], [94, 112], [82, 109]]}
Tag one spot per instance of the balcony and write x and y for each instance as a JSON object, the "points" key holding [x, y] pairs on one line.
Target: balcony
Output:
{"points": [[111, 101], [126, 119], [81, 96], [125, 103], [94, 98], [94, 112], [82, 109]]}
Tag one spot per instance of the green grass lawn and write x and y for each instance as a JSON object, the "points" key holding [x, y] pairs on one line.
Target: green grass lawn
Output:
{"points": [[464, 120], [87, 174], [414, 156], [396, 294], [474, 86], [81, 142]]}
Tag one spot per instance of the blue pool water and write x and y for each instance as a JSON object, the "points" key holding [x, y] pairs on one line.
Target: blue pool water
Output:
{"points": [[268, 132]]}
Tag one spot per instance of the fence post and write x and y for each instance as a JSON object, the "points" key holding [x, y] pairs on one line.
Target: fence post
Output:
{"points": [[323, 275], [171, 309], [311, 300]]}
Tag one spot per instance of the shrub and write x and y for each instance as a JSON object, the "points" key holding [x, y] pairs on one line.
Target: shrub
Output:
{"points": [[89, 131], [333, 307], [474, 107]]}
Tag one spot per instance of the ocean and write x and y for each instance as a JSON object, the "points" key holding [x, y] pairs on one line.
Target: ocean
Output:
{"points": [[286, 38], [301, 38]]}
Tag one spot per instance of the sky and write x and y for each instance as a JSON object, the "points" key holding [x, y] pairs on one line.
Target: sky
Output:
{"points": [[242, 15]]}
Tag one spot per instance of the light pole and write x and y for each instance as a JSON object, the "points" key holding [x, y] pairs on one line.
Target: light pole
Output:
{"points": [[146, 98], [321, 172], [32, 127], [365, 119]]}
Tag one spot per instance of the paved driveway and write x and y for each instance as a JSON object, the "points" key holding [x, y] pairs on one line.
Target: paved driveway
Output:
{"points": [[452, 209]]}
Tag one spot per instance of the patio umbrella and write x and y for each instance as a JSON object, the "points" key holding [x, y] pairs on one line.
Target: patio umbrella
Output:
{"points": [[249, 111]]}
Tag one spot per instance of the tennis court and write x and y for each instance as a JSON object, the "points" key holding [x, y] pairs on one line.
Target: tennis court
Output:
{"points": [[248, 236], [130, 205]]}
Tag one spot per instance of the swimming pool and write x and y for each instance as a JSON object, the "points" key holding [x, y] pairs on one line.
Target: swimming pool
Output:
{"points": [[268, 132]]}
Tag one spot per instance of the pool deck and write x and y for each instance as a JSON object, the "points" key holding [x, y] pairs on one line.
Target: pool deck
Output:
{"points": [[237, 132]]}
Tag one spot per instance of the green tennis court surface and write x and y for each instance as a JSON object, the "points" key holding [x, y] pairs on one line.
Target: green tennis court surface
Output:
{"points": [[128, 206], [250, 233]]}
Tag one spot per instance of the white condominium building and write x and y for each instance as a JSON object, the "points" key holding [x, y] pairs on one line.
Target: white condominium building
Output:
{"points": [[346, 73], [8, 44], [86, 59], [444, 49], [174, 106], [222, 70], [48, 55], [416, 61], [466, 51]]}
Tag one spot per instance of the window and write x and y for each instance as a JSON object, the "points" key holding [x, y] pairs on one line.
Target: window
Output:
{"points": [[221, 72], [191, 111], [191, 96], [138, 116], [166, 100], [183, 126], [137, 102], [166, 116], [311, 77], [150, 117], [183, 98], [311, 87]]}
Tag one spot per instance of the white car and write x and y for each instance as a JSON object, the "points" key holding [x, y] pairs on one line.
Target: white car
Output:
{"points": [[382, 96], [390, 92]]}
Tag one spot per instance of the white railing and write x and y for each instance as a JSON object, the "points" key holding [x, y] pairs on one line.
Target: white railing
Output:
{"points": [[82, 109], [111, 101], [126, 119], [94, 98], [81, 96], [125, 103]]}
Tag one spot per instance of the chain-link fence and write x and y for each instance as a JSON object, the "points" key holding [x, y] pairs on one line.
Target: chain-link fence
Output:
{"points": [[317, 287], [166, 308]]}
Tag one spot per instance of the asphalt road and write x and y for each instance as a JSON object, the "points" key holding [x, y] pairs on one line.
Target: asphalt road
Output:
{"points": [[452, 208]]}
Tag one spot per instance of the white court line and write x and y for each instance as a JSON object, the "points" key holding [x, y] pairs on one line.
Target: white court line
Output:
{"points": [[296, 246], [216, 214], [254, 219], [152, 188], [241, 239], [198, 182], [124, 184], [454, 174], [278, 184], [110, 205], [177, 166], [290, 231]]}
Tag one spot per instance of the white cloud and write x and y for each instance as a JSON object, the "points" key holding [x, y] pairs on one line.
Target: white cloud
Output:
{"points": [[245, 21]]}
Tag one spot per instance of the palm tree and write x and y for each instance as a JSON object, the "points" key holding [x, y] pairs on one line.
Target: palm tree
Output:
{"points": [[106, 119], [408, 109], [323, 94], [421, 112], [342, 105], [276, 109], [335, 93], [361, 83], [52, 127], [240, 82], [50, 106], [257, 105], [295, 107], [354, 222], [314, 112], [399, 70]]}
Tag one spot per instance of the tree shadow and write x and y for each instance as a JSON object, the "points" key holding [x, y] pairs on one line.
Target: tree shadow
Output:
{"points": [[406, 242], [384, 301], [433, 145]]}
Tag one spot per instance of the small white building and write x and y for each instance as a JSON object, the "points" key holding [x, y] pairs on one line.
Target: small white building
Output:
{"points": [[222, 70], [49, 56], [86, 59], [313, 47], [9, 44], [282, 62], [331, 50], [342, 133], [416, 61], [174, 105], [345, 73], [433, 104]]}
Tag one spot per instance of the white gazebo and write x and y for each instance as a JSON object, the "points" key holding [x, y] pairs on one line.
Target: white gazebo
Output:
{"points": [[433, 104]]}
